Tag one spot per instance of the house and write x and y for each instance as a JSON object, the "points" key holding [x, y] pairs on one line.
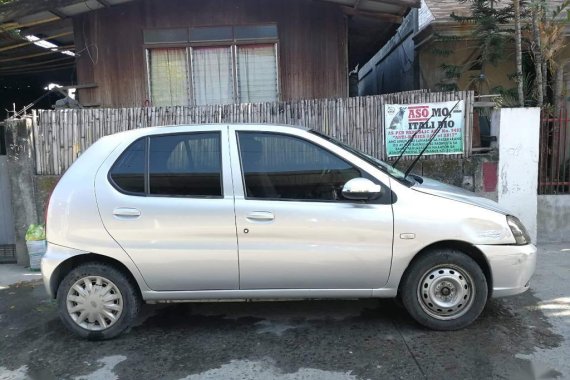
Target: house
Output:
{"points": [[124, 53], [424, 55]]}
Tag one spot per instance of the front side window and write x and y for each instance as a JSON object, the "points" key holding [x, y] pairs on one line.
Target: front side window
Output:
{"points": [[277, 166], [187, 164]]}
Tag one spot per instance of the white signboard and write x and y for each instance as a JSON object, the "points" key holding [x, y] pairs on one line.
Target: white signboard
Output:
{"points": [[402, 121]]}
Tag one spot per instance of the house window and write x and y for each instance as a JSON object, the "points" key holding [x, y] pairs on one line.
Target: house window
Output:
{"points": [[168, 76], [215, 65]]}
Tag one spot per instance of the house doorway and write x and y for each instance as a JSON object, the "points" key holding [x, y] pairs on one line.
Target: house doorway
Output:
{"points": [[7, 234]]}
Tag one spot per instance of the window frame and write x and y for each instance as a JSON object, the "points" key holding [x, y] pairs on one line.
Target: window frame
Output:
{"points": [[387, 196], [233, 45], [147, 193]]}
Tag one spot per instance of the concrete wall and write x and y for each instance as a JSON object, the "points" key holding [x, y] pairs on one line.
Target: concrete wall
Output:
{"points": [[553, 218], [21, 169], [7, 236], [518, 140], [431, 75]]}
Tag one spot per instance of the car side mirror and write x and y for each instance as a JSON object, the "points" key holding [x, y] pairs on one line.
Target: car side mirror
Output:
{"points": [[361, 189]]}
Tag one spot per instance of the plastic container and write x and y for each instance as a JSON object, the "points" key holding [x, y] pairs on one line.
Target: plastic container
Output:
{"points": [[36, 250]]}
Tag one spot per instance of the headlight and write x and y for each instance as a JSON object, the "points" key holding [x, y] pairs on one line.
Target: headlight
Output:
{"points": [[519, 232]]}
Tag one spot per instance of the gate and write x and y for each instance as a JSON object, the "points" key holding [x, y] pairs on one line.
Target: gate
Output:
{"points": [[554, 161], [7, 234]]}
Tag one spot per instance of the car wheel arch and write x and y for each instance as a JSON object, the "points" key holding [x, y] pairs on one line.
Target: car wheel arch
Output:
{"points": [[458, 245], [68, 265]]}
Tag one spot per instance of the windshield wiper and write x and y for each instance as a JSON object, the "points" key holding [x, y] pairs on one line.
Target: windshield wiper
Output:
{"points": [[409, 142], [439, 127]]}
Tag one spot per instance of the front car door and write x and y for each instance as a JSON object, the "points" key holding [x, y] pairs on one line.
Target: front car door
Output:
{"points": [[168, 201], [295, 230]]}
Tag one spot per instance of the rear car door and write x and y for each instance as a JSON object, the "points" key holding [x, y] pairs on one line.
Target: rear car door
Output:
{"points": [[168, 201]]}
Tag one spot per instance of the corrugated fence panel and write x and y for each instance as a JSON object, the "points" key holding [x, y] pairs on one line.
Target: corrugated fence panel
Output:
{"points": [[62, 135]]}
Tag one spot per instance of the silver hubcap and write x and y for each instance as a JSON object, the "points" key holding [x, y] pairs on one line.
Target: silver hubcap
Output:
{"points": [[446, 292], [94, 303]]}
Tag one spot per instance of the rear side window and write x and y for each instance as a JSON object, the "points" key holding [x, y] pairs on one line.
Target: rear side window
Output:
{"points": [[128, 172], [186, 165]]}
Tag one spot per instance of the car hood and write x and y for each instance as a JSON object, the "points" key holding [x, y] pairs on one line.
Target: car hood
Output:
{"points": [[440, 189]]}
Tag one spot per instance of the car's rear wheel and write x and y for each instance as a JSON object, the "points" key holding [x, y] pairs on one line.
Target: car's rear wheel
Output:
{"points": [[97, 301], [444, 290]]}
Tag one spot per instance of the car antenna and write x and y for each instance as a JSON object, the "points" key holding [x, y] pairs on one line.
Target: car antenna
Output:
{"points": [[440, 126]]}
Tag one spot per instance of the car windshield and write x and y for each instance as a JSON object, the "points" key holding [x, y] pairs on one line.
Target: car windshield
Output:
{"points": [[386, 168]]}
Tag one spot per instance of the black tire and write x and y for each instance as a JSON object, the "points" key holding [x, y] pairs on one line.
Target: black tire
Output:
{"points": [[131, 300], [462, 279]]}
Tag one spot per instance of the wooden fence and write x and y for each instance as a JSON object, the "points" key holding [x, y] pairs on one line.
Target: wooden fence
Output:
{"points": [[60, 136]]}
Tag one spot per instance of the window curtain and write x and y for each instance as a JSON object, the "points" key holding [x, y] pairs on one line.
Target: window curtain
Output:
{"points": [[257, 73], [212, 75], [168, 77]]}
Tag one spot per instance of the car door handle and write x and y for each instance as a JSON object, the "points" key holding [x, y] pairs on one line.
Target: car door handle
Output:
{"points": [[126, 213], [260, 216]]}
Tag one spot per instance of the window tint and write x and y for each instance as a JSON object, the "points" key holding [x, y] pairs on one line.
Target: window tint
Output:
{"points": [[286, 167], [186, 165], [128, 171]]}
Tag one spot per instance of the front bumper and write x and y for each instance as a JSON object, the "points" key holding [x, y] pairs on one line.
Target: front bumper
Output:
{"points": [[512, 266]]}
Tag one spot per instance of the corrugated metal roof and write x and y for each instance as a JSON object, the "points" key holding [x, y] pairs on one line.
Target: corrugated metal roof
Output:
{"points": [[442, 9]]}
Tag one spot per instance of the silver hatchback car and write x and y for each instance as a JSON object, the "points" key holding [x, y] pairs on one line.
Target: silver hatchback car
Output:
{"points": [[210, 212]]}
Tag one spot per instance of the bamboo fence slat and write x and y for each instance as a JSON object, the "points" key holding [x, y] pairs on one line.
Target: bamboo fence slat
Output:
{"points": [[60, 136]]}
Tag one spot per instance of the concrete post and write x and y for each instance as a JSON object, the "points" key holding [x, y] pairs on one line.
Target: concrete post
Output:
{"points": [[518, 139], [21, 169]]}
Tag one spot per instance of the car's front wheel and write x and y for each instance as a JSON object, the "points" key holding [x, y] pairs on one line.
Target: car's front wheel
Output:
{"points": [[444, 289], [97, 301]]}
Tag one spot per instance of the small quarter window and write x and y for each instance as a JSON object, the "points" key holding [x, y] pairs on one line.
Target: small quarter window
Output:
{"points": [[186, 165], [128, 171]]}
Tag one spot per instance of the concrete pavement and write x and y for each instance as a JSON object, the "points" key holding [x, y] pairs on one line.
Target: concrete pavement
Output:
{"points": [[523, 337], [11, 274]]}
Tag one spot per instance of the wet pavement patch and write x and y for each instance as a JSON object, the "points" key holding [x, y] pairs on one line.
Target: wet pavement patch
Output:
{"points": [[361, 339]]}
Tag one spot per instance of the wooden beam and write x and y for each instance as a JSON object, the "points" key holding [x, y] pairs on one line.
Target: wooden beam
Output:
{"points": [[37, 63], [58, 13], [387, 17], [79, 86], [484, 104], [36, 70], [68, 47], [14, 25], [409, 3], [5, 48]]}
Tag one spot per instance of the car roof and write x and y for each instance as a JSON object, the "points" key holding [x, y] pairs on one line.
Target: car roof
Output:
{"points": [[175, 127]]}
